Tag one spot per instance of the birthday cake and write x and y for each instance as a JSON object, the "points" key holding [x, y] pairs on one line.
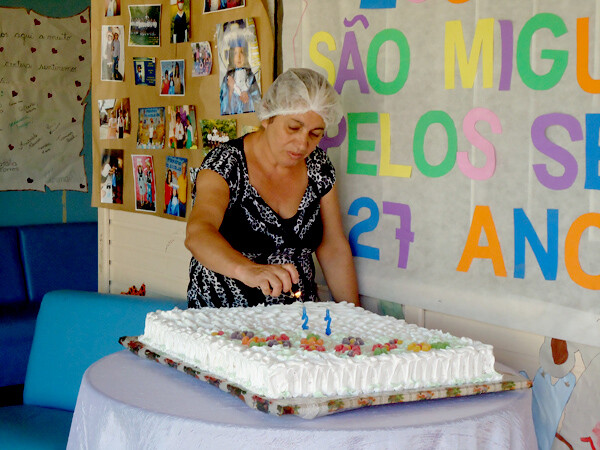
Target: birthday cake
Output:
{"points": [[317, 349]]}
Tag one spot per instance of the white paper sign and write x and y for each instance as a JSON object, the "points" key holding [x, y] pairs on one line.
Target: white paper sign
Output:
{"points": [[45, 68]]}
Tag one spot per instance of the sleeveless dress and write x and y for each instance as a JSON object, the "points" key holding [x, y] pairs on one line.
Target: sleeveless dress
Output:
{"points": [[259, 233]]}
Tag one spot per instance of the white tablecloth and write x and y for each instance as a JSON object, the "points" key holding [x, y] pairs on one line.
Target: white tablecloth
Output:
{"points": [[126, 402]]}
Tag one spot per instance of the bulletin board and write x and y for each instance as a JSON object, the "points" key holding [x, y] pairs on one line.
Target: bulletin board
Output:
{"points": [[139, 103], [468, 156]]}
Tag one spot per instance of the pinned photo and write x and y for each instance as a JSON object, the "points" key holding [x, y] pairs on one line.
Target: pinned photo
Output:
{"points": [[112, 8], [115, 118], [144, 25], [151, 128], [145, 184], [173, 79], [222, 5], [239, 66], [145, 71], [112, 53], [180, 22], [217, 132], [176, 186], [111, 177], [202, 56], [182, 127]]}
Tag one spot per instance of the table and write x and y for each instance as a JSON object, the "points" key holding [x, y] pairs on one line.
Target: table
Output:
{"points": [[126, 402]]}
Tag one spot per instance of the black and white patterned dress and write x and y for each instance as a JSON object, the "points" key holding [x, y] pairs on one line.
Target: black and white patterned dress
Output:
{"points": [[259, 233]]}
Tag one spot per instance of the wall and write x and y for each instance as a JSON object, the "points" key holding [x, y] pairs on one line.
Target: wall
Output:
{"points": [[33, 207]]}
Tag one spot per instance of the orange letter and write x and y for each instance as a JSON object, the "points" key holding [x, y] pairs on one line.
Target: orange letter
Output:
{"points": [[482, 221], [587, 83], [572, 242]]}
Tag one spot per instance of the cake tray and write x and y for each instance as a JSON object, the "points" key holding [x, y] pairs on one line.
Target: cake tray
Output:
{"points": [[311, 407]]}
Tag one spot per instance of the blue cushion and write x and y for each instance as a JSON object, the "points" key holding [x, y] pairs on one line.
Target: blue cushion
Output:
{"points": [[33, 427], [16, 335], [59, 256], [11, 271], [74, 329]]}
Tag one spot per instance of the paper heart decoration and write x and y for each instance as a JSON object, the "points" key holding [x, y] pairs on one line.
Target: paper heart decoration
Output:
{"points": [[79, 98], [54, 50], [33, 49], [77, 83], [82, 19], [37, 22], [30, 180], [49, 95], [15, 93], [81, 58], [1, 49], [83, 41], [73, 119], [81, 185], [10, 146], [32, 79]]}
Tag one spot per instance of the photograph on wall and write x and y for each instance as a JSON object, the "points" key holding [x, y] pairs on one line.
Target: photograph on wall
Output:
{"points": [[221, 5], [182, 127], [151, 128], [176, 186], [112, 8], [239, 66], [145, 70], [173, 77], [193, 175], [246, 129], [216, 132], [180, 21], [202, 56], [144, 181], [113, 53], [144, 25], [115, 118], [111, 176]]}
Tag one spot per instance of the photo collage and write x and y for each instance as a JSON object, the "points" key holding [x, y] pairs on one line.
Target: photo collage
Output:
{"points": [[160, 125]]}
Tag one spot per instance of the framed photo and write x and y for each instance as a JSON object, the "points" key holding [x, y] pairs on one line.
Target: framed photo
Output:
{"points": [[115, 118], [151, 128], [145, 183], [144, 69]]}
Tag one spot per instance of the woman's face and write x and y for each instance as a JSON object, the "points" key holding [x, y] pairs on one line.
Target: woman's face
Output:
{"points": [[293, 137], [239, 57]]}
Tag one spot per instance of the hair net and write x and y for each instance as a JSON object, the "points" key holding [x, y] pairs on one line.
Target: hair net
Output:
{"points": [[298, 91]]}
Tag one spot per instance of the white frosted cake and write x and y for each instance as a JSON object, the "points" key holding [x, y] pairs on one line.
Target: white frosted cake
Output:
{"points": [[266, 350]]}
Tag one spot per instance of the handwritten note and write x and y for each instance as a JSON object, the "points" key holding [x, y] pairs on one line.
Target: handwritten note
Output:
{"points": [[45, 67]]}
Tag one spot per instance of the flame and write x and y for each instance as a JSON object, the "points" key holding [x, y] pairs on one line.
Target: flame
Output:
{"points": [[297, 294]]}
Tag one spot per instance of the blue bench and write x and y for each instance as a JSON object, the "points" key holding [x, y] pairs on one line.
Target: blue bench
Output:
{"points": [[73, 330], [34, 260]]}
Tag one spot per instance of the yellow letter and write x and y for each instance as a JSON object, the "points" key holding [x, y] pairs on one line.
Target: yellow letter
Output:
{"points": [[320, 59], [483, 42], [386, 168]]}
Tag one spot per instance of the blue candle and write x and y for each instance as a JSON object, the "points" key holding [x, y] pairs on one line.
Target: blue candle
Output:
{"points": [[328, 320], [305, 318]]}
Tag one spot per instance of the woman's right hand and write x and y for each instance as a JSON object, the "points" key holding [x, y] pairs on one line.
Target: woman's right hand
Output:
{"points": [[272, 279]]}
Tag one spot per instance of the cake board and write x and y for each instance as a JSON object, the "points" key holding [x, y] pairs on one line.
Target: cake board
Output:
{"points": [[312, 407]]}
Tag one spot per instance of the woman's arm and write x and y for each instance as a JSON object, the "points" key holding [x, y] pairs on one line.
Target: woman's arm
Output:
{"points": [[213, 251], [334, 254]]}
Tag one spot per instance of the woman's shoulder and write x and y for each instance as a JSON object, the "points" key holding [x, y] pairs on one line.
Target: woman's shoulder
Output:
{"points": [[229, 153], [321, 170]]}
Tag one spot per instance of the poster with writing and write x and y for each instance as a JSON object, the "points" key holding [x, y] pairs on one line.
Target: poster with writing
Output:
{"points": [[468, 155], [44, 79]]}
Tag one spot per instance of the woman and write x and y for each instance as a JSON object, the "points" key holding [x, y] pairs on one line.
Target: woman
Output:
{"points": [[165, 84], [265, 202], [178, 87], [168, 189]]}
